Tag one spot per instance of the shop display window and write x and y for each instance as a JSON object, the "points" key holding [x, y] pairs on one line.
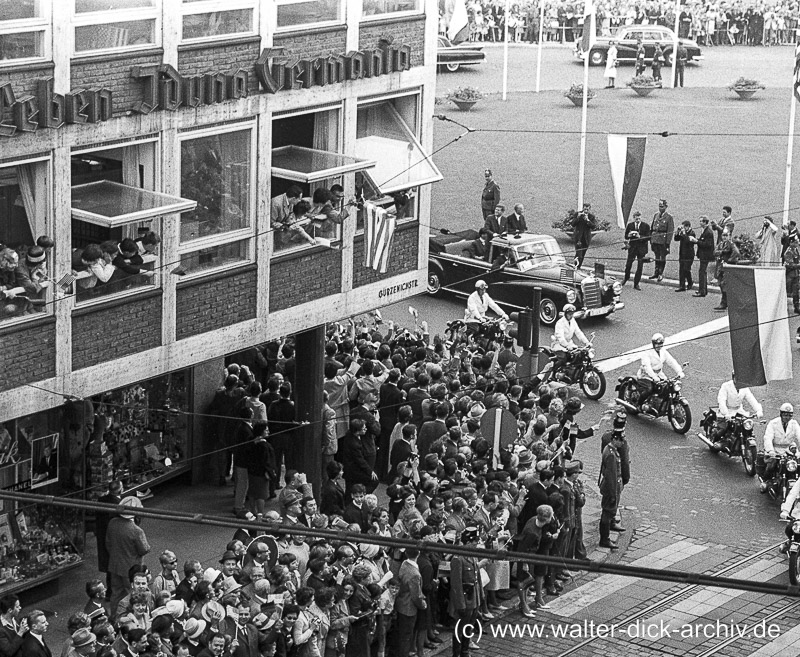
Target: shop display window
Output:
{"points": [[297, 13], [205, 20], [380, 7], [25, 283], [37, 541], [24, 31], [218, 172], [113, 25], [138, 434]]}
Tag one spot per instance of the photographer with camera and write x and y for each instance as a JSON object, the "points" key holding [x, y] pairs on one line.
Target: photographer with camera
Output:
{"points": [[686, 237], [637, 236], [585, 223], [770, 238]]}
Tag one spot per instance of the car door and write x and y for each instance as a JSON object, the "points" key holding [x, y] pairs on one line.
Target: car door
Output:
{"points": [[650, 38], [626, 46], [463, 271]]}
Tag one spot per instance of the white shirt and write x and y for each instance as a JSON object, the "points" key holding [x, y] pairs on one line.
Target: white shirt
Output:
{"points": [[777, 439], [477, 306], [652, 365], [730, 400], [565, 331], [791, 498]]}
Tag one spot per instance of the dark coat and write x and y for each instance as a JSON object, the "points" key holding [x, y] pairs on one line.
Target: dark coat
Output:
{"points": [[477, 249], [371, 438], [32, 647], [686, 248], [638, 245], [281, 416], [495, 224], [585, 223], [331, 499], [126, 544], [537, 495], [516, 223], [390, 400], [401, 451], [357, 469], [101, 527], [10, 642], [610, 482], [705, 245], [430, 432], [624, 455], [355, 515], [490, 197]]}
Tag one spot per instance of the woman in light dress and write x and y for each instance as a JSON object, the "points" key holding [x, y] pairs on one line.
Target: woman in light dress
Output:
{"points": [[611, 65]]}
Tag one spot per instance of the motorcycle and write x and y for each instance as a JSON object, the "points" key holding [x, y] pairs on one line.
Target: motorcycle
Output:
{"points": [[665, 399], [779, 486], [577, 369], [738, 439], [794, 549]]}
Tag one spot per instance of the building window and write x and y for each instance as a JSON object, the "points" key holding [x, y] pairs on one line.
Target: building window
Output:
{"points": [[115, 25], [210, 19], [372, 8], [217, 171], [386, 132], [24, 31], [25, 248], [305, 13]]}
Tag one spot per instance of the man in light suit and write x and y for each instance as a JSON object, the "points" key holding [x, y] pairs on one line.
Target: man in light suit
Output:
{"points": [[516, 220], [410, 601], [637, 235]]}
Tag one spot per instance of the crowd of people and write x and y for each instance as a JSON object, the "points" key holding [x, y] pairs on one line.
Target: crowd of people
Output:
{"points": [[708, 23], [23, 277]]}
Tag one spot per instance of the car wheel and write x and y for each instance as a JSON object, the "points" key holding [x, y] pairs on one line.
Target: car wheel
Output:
{"points": [[597, 57], [453, 67], [434, 280], [548, 311]]}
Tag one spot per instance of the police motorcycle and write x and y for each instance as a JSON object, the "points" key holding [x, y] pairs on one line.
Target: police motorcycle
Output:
{"points": [[787, 474], [664, 400], [738, 439], [578, 369], [487, 333], [792, 544]]}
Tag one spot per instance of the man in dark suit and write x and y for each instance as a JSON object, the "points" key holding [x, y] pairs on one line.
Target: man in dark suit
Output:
{"points": [[33, 644], [11, 631], [431, 431], [389, 402], [537, 493], [705, 254], [479, 248], [516, 220], [637, 235], [410, 601], [584, 224], [281, 414], [687, 239], [357, 469], [332, 493], [113, 496], [496, 222], [402, 449], [366, 412], [356, 512]]}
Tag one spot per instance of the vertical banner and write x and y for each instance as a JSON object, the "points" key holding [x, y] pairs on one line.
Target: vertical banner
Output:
{"points": [[759, 324], [626, 157], [458, 27]]}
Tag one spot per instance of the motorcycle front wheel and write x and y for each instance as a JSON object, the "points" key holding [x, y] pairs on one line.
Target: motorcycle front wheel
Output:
{"points": [[593, 383], [749, 460], [629, 392], [793, 574], [680, 416]]}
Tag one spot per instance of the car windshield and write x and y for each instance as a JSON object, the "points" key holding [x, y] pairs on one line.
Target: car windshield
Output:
{"points": [[539, 254]]}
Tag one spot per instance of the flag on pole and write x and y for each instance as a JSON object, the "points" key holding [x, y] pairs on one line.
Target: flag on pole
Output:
{"points": [[458, 28], [379, 228], [626, 156], [797, 72], [759, 324], [589, 27]]}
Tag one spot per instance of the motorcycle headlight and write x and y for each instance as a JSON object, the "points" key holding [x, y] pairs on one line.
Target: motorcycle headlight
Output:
{"points": [[591, 354], [748, 425], [796, 527], [572, 296], [791, 466], [617, 288], [677, 385]]}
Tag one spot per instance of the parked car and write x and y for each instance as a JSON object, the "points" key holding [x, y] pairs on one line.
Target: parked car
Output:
{"points": [[516, 265], [454, 56], [626, 37]]}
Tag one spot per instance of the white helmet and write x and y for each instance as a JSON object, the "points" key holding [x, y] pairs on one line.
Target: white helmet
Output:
{"points": [[657, 337], [787, 408], [569, 308]]}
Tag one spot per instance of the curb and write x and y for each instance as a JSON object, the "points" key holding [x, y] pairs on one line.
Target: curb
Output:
{"points": [[669, 282]]}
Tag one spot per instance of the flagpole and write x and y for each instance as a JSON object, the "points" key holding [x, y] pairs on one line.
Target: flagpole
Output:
{"points": [[584, 112], [675, 43], [505, 53], [789, 147], [539, 56]]}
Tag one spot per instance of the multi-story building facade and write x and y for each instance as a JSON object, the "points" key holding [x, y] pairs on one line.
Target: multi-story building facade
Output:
{"points": [[184, 119]]}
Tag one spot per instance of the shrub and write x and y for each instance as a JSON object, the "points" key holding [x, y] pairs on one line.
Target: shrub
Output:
{"points": [[745, 83], [465, 93], [567, 222], [642, 81]]}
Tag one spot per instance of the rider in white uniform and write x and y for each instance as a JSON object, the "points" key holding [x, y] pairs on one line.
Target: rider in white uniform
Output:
{"points": [[479, 303], [782, 432], [566, 333], [730, 400], [651, 368]]}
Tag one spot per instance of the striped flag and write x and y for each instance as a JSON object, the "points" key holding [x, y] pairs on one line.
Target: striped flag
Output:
{"points": [[458, 27], [589, 27], [797, 72], [759, 324], [626, 156], [379, 227]]}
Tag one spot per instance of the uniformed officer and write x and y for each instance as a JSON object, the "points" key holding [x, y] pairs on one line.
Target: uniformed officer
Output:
{"points": [[610, 484], [465, 593]]}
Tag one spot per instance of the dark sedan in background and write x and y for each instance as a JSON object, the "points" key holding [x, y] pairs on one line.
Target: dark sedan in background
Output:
{"points": [[516, 265], [453, 56], [626, 40]]}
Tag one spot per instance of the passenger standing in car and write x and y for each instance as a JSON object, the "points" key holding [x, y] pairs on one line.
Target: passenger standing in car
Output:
{"points": [[490, 196]]}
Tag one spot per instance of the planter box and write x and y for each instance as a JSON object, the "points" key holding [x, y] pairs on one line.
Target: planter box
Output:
{"points": [[464, 105], [645, 91], [578, 100], [745, 94]]}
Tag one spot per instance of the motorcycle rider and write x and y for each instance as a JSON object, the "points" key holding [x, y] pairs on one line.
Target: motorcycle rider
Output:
{"points": [[479, 302], [781, 433], [730, 400], [651, 369], [565, 334]]}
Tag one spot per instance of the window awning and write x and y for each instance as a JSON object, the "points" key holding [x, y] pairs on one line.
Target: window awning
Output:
{"points": [[308, 165], [400, 164], [112, 204]]}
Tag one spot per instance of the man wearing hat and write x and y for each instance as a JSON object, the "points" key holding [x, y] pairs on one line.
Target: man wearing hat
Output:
{"points": [[570, 432], [479, 303], [31, 273], [193, 629], [127, 545], [466, 593], [620, 420], [575, 547], [84, 643], [610, 484], [229, 563], [661, 232]]}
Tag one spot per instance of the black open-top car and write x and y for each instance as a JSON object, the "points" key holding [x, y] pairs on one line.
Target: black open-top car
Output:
{"points": [[516, 265]]}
